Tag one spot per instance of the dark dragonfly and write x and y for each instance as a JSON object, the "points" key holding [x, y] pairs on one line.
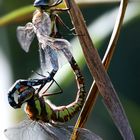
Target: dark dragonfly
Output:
{"points": [[37, 108], [44, 114]]}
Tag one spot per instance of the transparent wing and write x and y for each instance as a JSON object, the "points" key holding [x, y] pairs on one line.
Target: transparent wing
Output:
{"points": [[31, 130], [42, 24], [62, 46], [48, 59], [25, 36], [28, 130], [64, 131], [46, 24], [54, 53]]}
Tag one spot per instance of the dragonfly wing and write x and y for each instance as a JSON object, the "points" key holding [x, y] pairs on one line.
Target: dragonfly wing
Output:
{"points": [[85, 134], [32, 130], [42, 60], [46, 24], [63, 132], [28, 130], [62, 47], [25, 36], [48, 59], [17, 132]]}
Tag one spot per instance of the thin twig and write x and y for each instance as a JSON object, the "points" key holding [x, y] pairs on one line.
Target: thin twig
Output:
{"points": [[98, 72]]}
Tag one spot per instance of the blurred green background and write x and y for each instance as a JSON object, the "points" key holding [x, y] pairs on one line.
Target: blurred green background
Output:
{"points": [[124, 70]]}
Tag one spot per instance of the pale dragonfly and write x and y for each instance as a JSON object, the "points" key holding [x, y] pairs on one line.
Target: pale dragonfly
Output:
{"points": [[44, 117], [53, 51]]}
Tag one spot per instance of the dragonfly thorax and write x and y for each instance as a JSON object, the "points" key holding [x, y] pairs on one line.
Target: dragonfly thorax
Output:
{"points": [[42, 23], [37, 109]]}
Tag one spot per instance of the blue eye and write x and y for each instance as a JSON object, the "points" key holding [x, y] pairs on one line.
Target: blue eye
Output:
{"points": [[40, 3], [45, 3], [17, 86], [26, 95]]}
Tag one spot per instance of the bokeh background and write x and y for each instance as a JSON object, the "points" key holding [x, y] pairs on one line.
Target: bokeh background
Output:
{"points": [[124, 70]]}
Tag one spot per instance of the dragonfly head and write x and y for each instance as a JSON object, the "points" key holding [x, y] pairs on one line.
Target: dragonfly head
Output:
{"points": [[25, 95], [20, 95]]}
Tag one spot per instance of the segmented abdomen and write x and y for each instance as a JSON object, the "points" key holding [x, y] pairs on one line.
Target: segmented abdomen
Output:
{"points": [[65, 113]]}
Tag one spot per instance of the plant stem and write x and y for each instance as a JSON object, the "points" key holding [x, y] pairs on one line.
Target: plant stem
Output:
{"points": [[97, 70]]}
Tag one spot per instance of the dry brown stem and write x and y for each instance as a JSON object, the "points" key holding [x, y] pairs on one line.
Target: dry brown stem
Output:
{"points": [[97, 70]]}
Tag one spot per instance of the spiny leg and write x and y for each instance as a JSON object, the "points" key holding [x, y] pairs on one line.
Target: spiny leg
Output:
{"points": [[45, 93], [58, 20]]}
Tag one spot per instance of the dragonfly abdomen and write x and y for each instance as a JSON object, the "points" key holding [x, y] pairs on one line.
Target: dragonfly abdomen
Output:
{"points": [[65, 113]]}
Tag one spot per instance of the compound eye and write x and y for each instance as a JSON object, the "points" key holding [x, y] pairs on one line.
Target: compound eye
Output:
{"points": [[40, 3], [25, 95], [44, 3]]}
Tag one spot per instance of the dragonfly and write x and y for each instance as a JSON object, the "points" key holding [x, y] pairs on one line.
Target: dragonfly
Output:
{"points": [[37, 109], [43, 115], [51, 48], [41, 112]]}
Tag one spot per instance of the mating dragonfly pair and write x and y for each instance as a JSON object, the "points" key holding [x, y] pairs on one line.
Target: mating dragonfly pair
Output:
{"points": [[43, 114]]}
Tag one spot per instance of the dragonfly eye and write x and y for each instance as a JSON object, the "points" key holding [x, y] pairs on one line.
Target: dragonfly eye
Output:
{"points": [[40, 3], [25, 95], [45, 3]]}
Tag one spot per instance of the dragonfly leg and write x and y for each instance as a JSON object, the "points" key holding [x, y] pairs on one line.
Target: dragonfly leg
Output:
{"points": [[45, 93], [50, 94], [38, 73], [59, 20], [56, 21]]}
